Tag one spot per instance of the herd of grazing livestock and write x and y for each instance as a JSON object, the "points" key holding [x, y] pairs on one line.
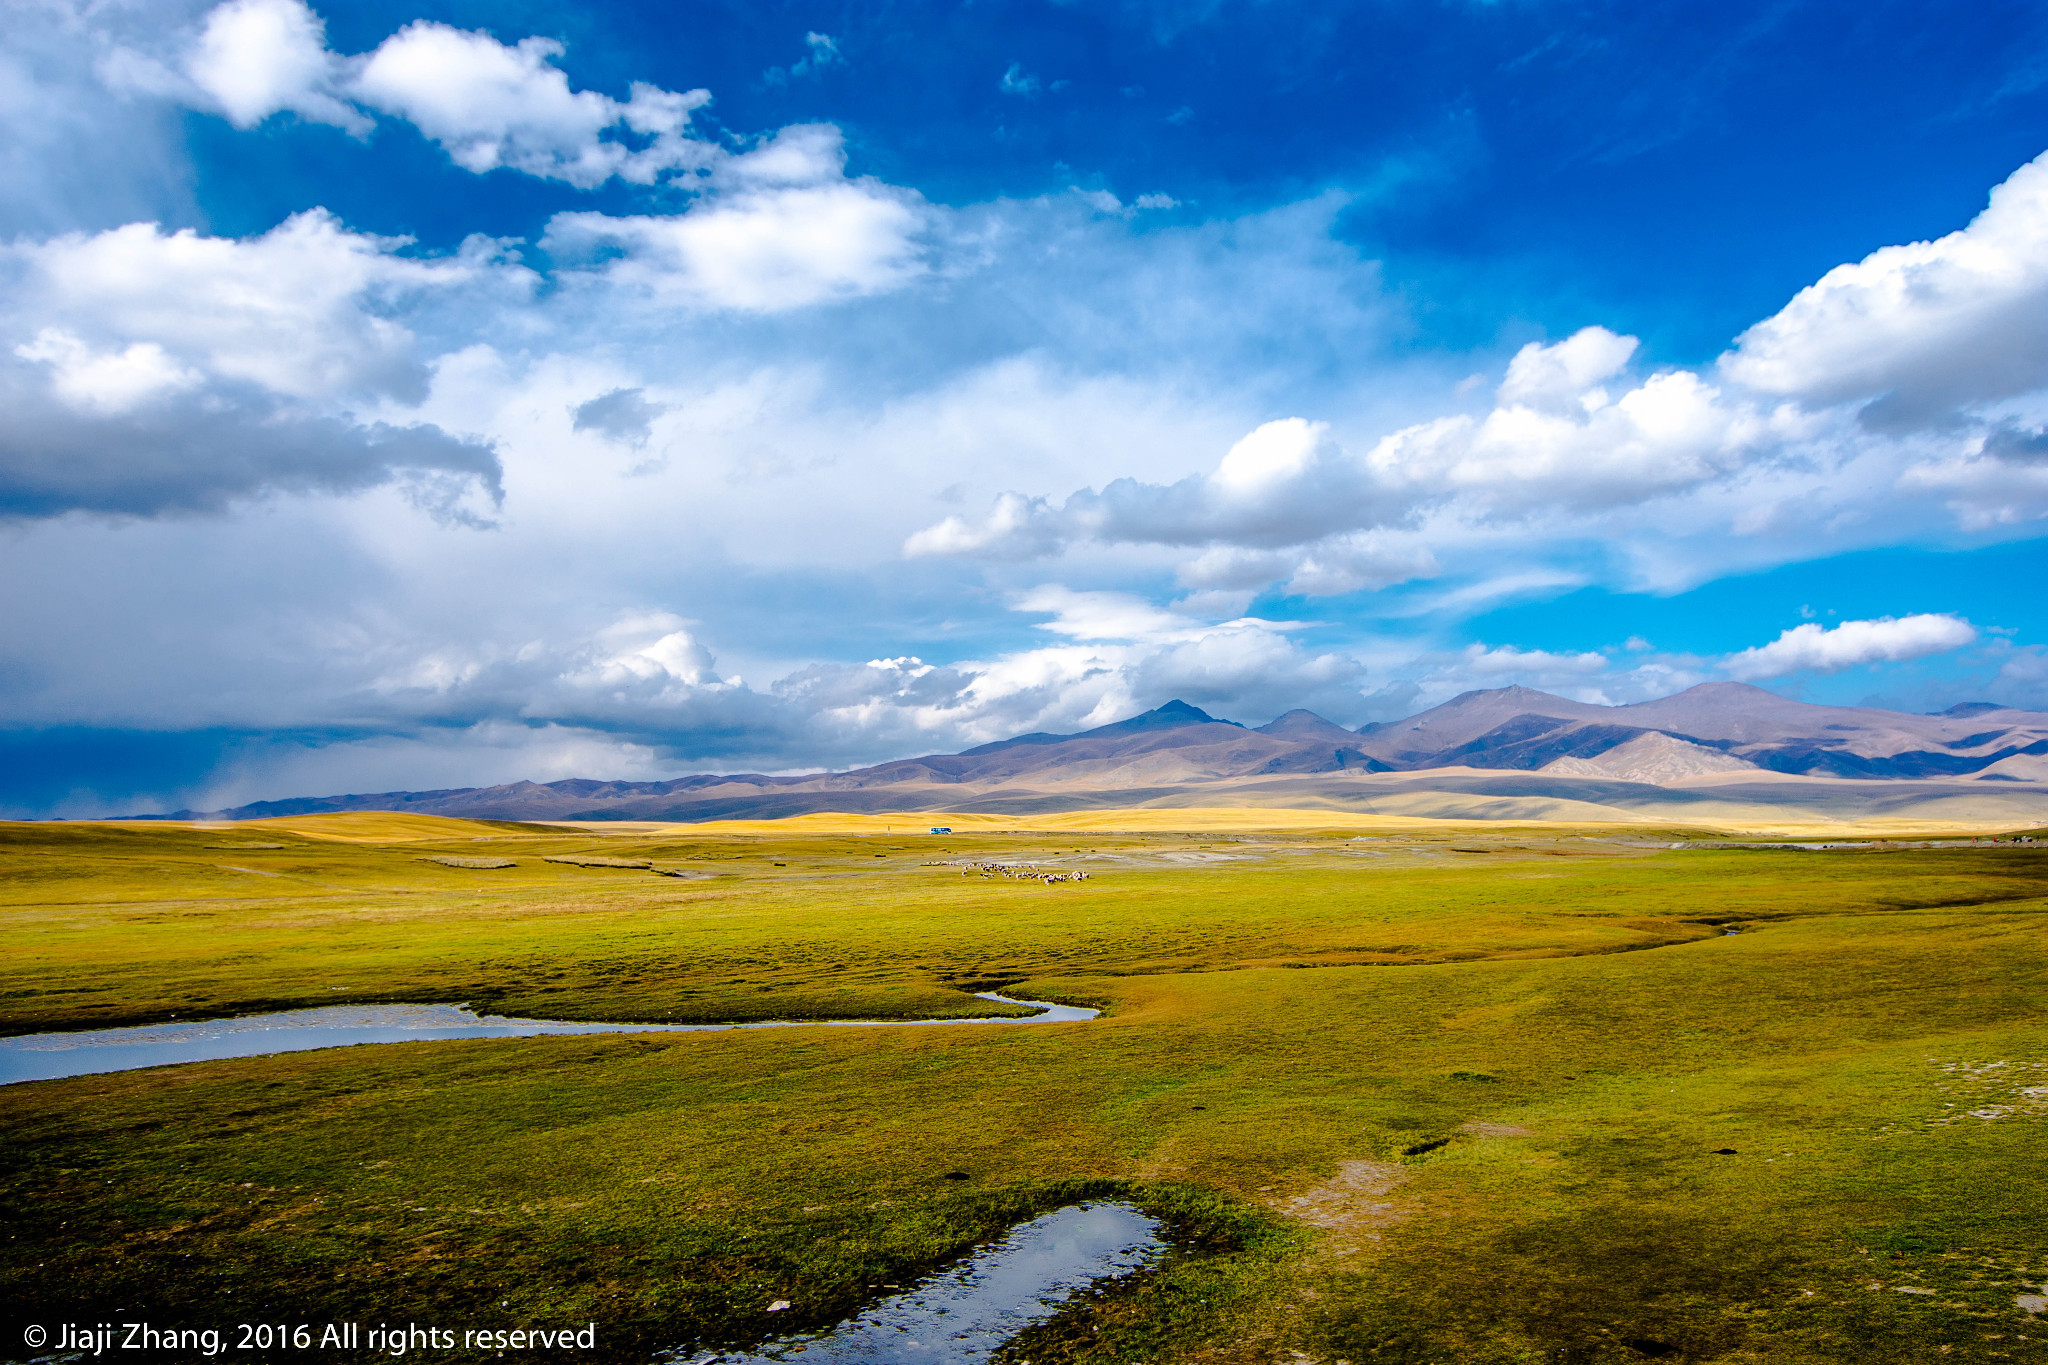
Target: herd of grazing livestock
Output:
{"points": [[1022, 872]]}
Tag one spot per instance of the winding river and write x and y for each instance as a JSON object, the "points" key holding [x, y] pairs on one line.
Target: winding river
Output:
{"points": [[53, 1056]]}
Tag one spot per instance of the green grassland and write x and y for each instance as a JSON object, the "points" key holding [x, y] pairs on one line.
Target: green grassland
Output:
{"points": [[1420, 1098]]}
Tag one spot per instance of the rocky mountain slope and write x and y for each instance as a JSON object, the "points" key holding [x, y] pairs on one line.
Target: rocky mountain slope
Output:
{"points": [[1180, 755]]}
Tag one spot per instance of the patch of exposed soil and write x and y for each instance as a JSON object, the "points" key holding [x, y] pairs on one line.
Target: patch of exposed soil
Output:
{"points": [[1354, 1203]]}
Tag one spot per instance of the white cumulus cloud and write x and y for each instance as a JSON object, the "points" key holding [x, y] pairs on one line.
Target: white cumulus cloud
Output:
{"points": [[490, 105], [1288, 502], [791, 231], [1832, 649], [1933, 325], [649, 647], [487, 104], [1284, 484], [1555, 437], [260, 57], [1565, 374], [1272, 455], [306, 310]]}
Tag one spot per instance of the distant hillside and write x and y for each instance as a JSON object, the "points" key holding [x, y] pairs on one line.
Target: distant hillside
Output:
{"points": [[1179, 754], [1514, 727]]}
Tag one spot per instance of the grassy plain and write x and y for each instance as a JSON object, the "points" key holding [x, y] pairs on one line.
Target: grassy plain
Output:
{"points": [[1435, 1095]]}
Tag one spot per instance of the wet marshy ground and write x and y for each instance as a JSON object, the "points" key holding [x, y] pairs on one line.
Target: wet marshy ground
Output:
{"points": [[963, 1315]]}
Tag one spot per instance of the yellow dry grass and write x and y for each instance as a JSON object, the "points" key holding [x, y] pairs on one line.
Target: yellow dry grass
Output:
{"points": [[1139, 820], [364, 827], [1762, 823]]}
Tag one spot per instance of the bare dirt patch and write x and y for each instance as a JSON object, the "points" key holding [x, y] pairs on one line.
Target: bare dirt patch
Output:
{"points": [[1354, 1203], [462, 860]]}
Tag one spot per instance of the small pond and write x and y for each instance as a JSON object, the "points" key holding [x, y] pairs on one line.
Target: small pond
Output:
{"points": [[961, 1316], [52, 1056]]}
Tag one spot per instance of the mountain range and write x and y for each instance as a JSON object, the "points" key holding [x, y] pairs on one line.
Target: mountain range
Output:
{"points": [[1501, 753]]}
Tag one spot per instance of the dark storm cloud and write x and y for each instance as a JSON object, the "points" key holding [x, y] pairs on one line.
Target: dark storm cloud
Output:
{"points": [[200, 453]]}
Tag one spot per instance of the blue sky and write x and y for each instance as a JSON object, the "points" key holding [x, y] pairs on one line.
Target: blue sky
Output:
{"points": [[432, 394]]}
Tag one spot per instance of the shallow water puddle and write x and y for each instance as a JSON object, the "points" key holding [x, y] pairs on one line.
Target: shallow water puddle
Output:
{"points": [[53, 1056], [960, 1316]]}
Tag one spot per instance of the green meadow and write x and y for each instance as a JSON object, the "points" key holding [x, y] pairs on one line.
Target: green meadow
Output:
{"points": [[1506, 1096]]}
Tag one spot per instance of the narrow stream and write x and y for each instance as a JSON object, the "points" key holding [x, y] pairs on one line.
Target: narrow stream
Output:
{"points": [[960, 1316], [53, 1056]]}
